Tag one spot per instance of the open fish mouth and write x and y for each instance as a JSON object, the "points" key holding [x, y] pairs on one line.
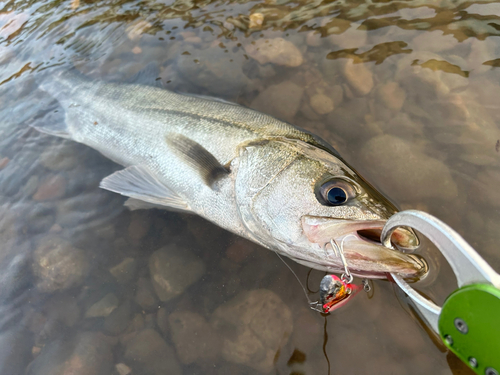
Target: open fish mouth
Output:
{"points": [[364, 253]]}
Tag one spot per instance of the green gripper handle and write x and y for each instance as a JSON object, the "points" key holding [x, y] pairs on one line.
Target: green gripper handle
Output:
{"points": [[469, 325]]}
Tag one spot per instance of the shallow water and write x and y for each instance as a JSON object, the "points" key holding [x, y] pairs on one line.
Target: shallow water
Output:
{"points": [[407, 93]]}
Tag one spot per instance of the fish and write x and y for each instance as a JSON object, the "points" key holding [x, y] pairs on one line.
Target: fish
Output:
{"points": [[261, 178]]}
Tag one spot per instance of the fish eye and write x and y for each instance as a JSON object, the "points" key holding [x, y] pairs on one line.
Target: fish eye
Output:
{"points": [[336, 195], [335, 192]]}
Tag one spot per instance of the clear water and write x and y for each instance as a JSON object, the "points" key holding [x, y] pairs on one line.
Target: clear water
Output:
{"points": [[406, 91]]}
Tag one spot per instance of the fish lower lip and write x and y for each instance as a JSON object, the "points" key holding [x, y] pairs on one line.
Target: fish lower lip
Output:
{"points": [[364, 253]]}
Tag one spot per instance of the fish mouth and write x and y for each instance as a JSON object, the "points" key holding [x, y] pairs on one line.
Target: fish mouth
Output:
{"points": [[363, 251]]}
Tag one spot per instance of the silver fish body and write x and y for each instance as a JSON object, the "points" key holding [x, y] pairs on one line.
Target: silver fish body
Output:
{"points": [[243, 170]]}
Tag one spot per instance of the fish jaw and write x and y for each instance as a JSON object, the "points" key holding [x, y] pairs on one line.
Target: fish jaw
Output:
{"points": [[364, 257]]}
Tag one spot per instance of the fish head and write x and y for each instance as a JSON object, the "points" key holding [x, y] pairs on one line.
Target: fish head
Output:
{"points": [[296, 198]]}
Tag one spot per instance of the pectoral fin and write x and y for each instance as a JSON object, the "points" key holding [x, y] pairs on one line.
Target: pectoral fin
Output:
{"points": [[138, 183], [197, 157]]}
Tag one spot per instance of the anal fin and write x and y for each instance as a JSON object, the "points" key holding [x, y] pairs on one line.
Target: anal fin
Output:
{"points": [[138, 183]]}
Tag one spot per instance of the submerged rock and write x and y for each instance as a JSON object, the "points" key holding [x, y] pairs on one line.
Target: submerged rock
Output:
{"points": [[60, 156], [118, 320], [123, 369], [135, 325], [103, 307], [191, 37], [145, 295], [15, 276], [427, 75], [486, 188], [63, 309], [218, 72], [173, 270], [354, 37], [40, 217], [148, 353], [314, 39], [52, 187], [240, 250], [137, 29], [321, 104], [3, 162], [88, 353], [433, 41], [307, 331], [254, 326], [277, 51], [359, 76], [281, 100], [16, 347], [256, 20], [124, 271], [407, 171], [348, 120], [194, 339], [392, 95], [58, 265], [139, 224]]}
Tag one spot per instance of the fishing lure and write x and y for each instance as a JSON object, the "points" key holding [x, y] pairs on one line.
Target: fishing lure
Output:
{"points": [[335, 292]]}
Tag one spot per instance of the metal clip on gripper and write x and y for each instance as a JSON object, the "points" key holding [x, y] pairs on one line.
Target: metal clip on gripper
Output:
{"points": [[469, 320]]}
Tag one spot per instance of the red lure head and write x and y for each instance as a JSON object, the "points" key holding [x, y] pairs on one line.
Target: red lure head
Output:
{"points": [[334, 292]]}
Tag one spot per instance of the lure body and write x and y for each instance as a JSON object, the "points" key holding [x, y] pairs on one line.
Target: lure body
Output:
{"points": [[335, 292]]}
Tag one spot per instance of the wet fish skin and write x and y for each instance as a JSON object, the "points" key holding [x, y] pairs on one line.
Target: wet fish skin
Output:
{"points": [[243, 170]]}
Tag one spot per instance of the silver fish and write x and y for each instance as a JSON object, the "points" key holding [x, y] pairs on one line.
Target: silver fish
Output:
{"points": [[256, 176]]}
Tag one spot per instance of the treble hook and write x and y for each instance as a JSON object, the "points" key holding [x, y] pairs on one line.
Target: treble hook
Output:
{"points": [[339, 252]]}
